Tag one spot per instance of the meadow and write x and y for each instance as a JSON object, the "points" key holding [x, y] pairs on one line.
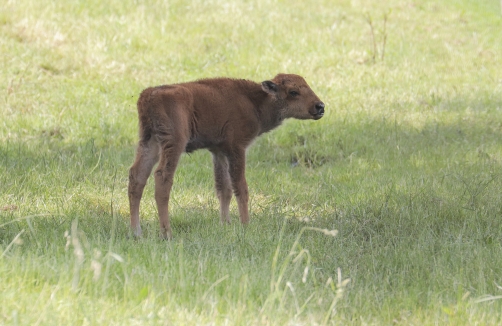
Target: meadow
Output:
{"points": [[386, 211]]}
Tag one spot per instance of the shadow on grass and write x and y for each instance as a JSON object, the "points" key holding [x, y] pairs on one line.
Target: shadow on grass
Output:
{"points": [[45, 175]]}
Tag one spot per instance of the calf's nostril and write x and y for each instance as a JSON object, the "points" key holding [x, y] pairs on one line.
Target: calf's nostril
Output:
{"points": [[319, 107]]}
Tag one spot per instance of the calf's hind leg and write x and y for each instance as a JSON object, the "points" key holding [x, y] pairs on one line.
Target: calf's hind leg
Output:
{"points": [[169, 156], [147, 155]]}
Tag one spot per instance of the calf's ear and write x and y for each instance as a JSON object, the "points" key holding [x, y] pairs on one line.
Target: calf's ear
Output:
{"points": [[269, 87]]}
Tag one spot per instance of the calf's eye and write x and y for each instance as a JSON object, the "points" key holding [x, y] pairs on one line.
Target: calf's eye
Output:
{"points": [[294, 93]]}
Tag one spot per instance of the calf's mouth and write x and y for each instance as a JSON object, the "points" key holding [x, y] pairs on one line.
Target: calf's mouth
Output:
{"points": [[318, 116]]}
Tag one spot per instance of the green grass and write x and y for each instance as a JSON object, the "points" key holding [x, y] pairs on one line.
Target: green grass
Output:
{"points": [[406, 165]]}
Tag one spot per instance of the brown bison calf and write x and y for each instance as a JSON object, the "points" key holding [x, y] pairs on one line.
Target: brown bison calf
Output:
{"points": [[223, 115]]}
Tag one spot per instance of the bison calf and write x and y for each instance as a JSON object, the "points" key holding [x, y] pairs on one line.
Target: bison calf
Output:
{"points": [[221, 114]]}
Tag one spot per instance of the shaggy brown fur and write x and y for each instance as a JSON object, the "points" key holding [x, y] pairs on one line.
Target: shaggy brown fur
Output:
{"points": [[221, 114]]}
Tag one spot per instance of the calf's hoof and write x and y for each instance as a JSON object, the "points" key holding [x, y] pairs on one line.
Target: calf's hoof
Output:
{"points": [[166, 235], [136, 232]]}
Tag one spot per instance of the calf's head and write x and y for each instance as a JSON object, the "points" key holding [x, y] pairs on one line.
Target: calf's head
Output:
{"points": [[294, 96]]}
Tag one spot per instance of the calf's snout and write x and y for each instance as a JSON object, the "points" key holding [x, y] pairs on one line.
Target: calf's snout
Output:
{"points": [[319, 109]]}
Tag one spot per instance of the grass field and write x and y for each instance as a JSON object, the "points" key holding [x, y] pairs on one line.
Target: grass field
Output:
{"points": [[406, 165]]}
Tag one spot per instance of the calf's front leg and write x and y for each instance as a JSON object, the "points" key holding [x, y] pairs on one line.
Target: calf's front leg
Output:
{"points": [[223, 185], [237, 162]]}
